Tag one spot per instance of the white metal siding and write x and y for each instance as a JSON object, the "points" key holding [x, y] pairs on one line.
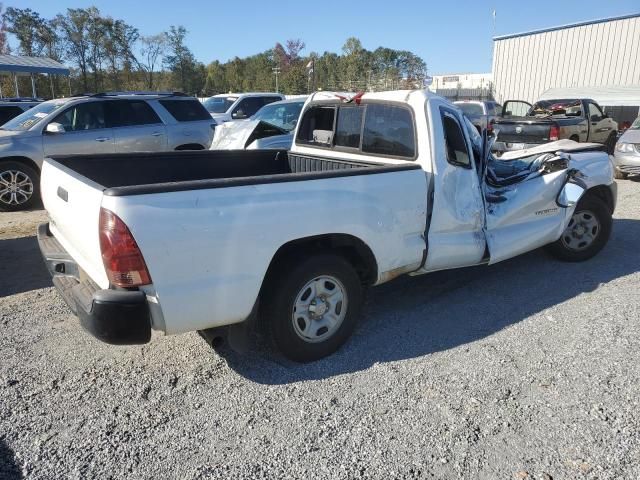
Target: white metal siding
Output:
{"points": [[599, 54]]}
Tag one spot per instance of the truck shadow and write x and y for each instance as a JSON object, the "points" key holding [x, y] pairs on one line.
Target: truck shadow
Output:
{"points": [[21, 266], [413, 317], [8, 468]]}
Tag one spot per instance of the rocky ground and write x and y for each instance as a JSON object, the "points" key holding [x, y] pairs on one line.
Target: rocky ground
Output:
{"points": [[528, 370]]}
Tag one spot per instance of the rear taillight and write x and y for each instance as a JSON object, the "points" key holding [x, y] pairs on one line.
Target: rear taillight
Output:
{"points": [[554, 133], [120, 253]]}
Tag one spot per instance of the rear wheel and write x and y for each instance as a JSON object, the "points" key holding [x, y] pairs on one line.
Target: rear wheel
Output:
{"points": [[312, 305], [19, 186], [587, 232], [575, 138]]}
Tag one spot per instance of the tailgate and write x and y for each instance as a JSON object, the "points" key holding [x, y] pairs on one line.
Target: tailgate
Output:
{"points": [[522, 132], [73, 204]]}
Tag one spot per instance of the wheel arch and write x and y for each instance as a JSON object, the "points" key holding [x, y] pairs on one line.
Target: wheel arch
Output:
{"points": [[356, 251], [603, 193], [190, 146], [22, 159]]}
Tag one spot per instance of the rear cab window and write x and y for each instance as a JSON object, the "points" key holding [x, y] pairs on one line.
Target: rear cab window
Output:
{"points": [[186, 110], [370, 128]]}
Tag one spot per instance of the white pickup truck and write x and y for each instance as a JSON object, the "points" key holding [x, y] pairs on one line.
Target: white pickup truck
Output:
{"points": [[375, 186]]}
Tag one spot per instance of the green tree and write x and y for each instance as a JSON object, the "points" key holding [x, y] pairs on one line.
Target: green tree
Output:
{"points": [[74, 30], [187, 72]]}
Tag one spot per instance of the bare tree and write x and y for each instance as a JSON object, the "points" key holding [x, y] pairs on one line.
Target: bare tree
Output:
{"points": [[151, 53]]}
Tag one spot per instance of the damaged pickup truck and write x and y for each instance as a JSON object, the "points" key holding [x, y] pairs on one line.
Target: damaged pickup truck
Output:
{"points": [[522, 125], [375, 186]]}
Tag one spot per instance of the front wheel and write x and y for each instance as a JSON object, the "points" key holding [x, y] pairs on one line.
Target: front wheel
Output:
{"points": [[587, 232], [312, 305], [19, 186]]}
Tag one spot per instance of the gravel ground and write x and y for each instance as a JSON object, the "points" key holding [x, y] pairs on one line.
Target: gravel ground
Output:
{"points": [[527, 369]]}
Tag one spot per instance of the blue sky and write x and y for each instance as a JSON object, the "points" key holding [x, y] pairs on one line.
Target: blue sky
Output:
{"points": [[452, 37]]}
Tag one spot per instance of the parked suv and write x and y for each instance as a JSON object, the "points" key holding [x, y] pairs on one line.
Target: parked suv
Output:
{"points": [[101, 123], [12, 107], [238, 106]]}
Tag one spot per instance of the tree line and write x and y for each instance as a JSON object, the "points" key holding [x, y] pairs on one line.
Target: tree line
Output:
{"points": [[109, 54]]}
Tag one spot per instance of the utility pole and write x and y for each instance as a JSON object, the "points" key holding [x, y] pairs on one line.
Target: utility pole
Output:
{"points": [[276, 72]]}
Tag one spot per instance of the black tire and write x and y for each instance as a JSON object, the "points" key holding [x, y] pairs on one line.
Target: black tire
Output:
{"points": [[589, 205], [620, 175], [611, 143], [575, 138], [283, 286], [7, 169]]}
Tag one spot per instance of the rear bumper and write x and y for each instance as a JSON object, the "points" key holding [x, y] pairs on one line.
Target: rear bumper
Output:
{"points": [[118, 317]]}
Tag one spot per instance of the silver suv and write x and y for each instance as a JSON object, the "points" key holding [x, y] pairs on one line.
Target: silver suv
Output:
{"points": [[102, 123]]}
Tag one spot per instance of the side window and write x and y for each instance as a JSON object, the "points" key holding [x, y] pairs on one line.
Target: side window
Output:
{"points": [[9, 112], [126, 113], [349, 127], [457, 152], [595, 114], [84, 116], [268, 100], [316, 126], [388, 130], [247, 107], [186, 110], [498, 109]]}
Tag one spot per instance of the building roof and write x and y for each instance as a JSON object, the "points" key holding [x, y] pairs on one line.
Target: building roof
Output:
{"points": [[569, 25], [16, 64], [610, 96]]}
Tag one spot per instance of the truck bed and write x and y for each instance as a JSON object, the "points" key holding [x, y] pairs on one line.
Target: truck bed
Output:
{"points": [[146, 173]]}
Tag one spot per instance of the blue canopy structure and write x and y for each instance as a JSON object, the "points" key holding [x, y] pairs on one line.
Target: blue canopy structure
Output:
{"points": [[20, 65]]}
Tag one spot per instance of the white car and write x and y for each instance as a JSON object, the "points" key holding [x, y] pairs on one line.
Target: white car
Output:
{"points": [[271, 128], [375, 186], [238, 106]]}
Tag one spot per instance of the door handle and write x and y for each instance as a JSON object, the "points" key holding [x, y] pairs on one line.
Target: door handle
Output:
{"points": [[102, 139], [157, 134]]}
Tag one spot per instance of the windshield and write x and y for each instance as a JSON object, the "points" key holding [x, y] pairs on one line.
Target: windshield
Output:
{"points": [[28, 119], [282, 115], [568, 107], [470, 108], [219, 104], [636, 124]]}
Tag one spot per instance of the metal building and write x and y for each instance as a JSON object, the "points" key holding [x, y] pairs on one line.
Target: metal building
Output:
{"points": [[599, 53]]}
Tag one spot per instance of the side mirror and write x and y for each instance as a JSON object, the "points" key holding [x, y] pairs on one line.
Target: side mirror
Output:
{"points": [[595, 118], [54, 128], [238, 115]]}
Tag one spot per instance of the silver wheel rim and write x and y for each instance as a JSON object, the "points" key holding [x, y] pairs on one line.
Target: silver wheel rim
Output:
{"points": [[16, 187], [319, 309], [582, 231]]}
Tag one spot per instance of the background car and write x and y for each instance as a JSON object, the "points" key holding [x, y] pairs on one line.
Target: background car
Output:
{"points": [[12, 107], [271, 128], [627, 152], [103, 123], [238, 106]]}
